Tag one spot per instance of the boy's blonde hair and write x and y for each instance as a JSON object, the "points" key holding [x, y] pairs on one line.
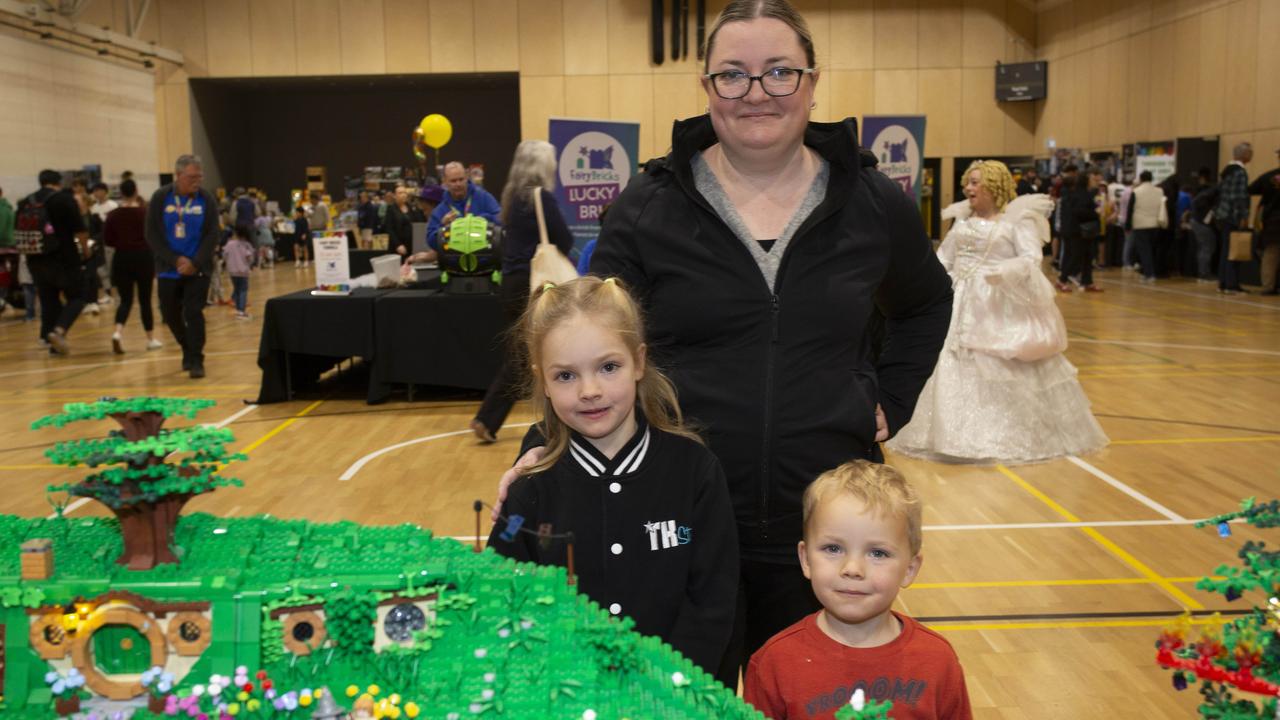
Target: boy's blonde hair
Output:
{"points": [[609, 303], [881, 488]]}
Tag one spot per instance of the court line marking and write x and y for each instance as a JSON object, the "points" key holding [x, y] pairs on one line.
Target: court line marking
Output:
{"points": [[1098, 473], [358, 465], [1199, 296], [279, 428], [1195, 440], [90, 366], [948, 627], [80, 502], [1186, 600], [1176, 346], [960, 585]]}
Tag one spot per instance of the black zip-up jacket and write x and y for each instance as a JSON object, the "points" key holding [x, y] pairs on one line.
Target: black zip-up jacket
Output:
{"points": [[782, 380]]}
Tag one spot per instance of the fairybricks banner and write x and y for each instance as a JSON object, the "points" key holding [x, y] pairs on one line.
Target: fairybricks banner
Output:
{"points": [[898, 143], [595, 160]]}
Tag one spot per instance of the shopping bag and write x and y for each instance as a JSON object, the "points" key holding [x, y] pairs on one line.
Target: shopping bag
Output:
{"points": [[1241, 249], [548, 265]]}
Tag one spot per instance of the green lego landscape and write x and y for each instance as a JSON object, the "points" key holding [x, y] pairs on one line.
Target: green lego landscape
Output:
{"points": [[508, 639]]}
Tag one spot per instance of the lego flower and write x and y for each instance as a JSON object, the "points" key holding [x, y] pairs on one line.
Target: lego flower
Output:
{"points": [[197, 690], [59, 686], [233, 709], [352, 690], [411, 710], [373, 690], [50, 677], [253, 705], [242, 696]]}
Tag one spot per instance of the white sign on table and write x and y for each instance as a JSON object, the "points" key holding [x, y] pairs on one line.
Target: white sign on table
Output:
{"points": [[333, 271]]}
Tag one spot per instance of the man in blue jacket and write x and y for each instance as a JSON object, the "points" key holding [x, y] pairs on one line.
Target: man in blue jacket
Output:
{"points": [[463, 198], [182, 230]]}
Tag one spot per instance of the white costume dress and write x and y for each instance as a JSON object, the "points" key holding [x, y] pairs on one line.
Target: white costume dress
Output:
{"points": [[1002, 390]]}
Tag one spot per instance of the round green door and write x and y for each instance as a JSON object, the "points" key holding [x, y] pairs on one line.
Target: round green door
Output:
{"points": [[121, 650]]}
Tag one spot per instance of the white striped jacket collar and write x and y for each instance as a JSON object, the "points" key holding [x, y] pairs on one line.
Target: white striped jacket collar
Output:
{"points": [[626, 461]]}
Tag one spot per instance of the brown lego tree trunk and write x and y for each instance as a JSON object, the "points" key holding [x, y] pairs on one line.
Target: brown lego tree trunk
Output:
{"points": [[147, 530], [147, 527]]}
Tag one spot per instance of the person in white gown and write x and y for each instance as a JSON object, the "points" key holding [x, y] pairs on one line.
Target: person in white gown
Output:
{"points": [[1002, 390]]}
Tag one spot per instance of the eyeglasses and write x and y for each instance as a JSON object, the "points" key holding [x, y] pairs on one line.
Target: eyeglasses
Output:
{"points": [[778, 82]]}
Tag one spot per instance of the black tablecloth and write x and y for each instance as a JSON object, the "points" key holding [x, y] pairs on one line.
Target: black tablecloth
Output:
{"points": [[304, 335], [426, 337], [417, 337]]}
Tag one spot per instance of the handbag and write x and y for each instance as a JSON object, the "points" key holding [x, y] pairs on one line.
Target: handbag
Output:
{"points": [[548, 265], [1241, 246]]}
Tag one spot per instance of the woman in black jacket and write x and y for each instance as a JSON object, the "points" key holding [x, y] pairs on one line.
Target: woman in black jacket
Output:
{"points": [[761, 247], [532, 169], [1080, 228]]}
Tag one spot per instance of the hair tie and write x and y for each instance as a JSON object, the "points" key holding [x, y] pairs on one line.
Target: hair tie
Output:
{"points": [[547, 286], [610, 281]]}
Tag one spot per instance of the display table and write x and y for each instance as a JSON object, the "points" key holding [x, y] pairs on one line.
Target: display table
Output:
{"points": [[304, 335], [417, 337], [426, 337]]}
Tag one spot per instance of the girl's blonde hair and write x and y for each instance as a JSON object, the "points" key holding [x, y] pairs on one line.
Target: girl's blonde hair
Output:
{"points": [[995, 177], [533, 165], [608, 303]]}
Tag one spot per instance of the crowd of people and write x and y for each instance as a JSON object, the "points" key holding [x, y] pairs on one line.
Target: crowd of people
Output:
{"points": [[1176, 227]]}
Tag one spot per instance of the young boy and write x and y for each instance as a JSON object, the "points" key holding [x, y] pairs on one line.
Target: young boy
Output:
{"points": [[861, 546]]}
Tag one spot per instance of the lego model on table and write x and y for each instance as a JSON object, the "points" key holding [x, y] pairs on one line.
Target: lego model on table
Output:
{"points": [[1243, 654], [200, 616]]}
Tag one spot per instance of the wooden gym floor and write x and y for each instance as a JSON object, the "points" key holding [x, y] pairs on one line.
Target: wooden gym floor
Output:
{"points": [[1052, 581]]}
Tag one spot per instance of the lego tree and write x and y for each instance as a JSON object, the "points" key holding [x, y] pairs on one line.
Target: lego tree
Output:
{"points": [[1241, 655], [145, 473]]}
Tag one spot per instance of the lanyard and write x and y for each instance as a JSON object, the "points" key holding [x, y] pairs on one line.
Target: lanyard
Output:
{"points": [[182, 209]]}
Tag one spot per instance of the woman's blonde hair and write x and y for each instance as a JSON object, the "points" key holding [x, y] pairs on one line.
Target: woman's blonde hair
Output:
{"points": [[533, 165], [608, 303], [782, 10], [995, 177]]}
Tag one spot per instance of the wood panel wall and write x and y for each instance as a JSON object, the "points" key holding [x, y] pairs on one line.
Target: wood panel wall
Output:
{"points": [[1161, 69], [1120, 71], [590, 58]]}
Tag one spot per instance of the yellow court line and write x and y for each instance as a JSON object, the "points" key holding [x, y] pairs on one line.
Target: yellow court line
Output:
{"points": [[1180, 441], [277, 429], [1189, 373], [1050, 583], [1077, 624], [1099, 538]]}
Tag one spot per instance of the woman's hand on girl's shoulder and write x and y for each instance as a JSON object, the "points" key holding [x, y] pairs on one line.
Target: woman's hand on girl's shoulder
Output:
{"points": [[513, 473]]}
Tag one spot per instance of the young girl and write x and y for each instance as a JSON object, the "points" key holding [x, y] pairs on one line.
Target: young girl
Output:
{"points": [[239, 254], [654, 536]]}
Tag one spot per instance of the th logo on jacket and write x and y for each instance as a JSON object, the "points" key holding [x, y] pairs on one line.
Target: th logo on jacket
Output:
{"points": [[666, 533]]}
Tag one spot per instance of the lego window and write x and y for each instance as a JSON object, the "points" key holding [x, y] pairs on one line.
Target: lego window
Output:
{"points": [[403, 621]]}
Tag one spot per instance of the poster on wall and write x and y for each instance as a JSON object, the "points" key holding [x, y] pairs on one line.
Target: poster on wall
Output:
{"points": [[595, 159], [898, 143], [1157, 157]]}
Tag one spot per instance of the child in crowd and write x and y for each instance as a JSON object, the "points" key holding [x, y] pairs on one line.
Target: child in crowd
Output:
{"points": [[239, 255], [861, 546], [265, 241], [301, 237], [653, 531]]}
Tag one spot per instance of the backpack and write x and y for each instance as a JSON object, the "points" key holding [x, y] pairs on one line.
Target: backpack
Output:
{"points": [[1205, 201], [32, 230]]}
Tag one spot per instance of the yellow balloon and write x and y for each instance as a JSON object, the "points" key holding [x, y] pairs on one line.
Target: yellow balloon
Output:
{"points": [[436, 130]]}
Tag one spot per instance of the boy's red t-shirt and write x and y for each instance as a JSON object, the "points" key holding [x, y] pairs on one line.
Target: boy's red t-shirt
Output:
{"points": [[802, 673]]}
